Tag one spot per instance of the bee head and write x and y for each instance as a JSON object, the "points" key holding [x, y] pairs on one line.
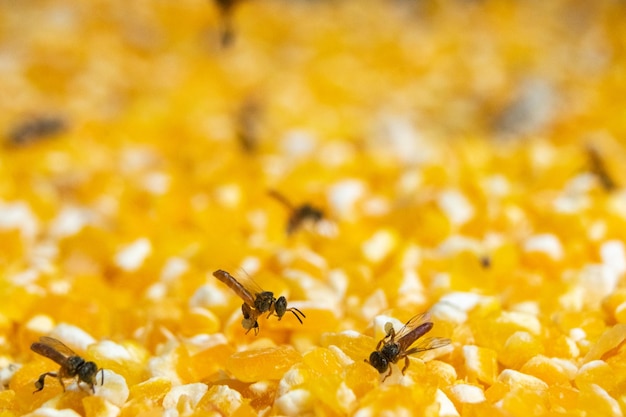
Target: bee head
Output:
{"points": [[379, 361], [280, 308], [88, 372]]}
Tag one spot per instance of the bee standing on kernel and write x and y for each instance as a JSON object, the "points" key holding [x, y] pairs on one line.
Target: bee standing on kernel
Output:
{"points": [[255, 305], [72, 365], [395, 346]]}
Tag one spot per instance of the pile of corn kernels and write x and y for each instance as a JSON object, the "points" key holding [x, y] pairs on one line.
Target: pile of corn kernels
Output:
{"points": [[466, 158]]}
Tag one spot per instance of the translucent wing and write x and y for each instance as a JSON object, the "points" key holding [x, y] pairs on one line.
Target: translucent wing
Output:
{"points": [[52, 349], [428, 344], [415, 328], [56, 345], [244, 286]]}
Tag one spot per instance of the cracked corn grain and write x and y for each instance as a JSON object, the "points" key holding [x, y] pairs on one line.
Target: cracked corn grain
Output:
{"points": [[453, 170]]}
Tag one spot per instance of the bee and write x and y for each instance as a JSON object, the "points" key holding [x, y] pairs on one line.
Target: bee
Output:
{"points": [[32, 130], [300, 214], [256, 301], [598, 168], [72, 365], [395, 346]]}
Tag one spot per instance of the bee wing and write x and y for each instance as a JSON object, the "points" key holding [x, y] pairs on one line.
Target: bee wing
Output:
{"points": [[250, 284], [52, 349], [243, 290], [413, 323], [56, 345], [428, 344]]}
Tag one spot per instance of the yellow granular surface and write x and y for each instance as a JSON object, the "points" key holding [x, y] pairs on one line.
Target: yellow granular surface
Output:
{"points": [[468, 157]]}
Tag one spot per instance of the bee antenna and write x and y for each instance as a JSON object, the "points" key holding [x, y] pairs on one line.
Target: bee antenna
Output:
{"points": [[293, 311]]}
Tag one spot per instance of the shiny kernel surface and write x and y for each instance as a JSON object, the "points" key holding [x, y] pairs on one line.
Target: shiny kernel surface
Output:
{"points": [[476, 174]]}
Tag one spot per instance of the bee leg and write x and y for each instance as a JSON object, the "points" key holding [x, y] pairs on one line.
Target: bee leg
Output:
{"points": [[272, 310], [388, 374], [40, 382], [406, 364]]}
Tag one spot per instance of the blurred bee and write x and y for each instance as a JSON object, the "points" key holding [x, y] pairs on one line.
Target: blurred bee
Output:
{"points": [[226, 8], [395, 346], [599, 169], [256, 301], [33, 130], [72, 365], [299, 215]]}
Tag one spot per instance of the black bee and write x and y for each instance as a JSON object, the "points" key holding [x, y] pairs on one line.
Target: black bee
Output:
{"points": [[395, 346], [255, 305], [72, 365], [300, 214], [33, 130]]}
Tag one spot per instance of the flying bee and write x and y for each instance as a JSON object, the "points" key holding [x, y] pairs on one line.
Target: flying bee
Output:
{"points": [[395, 346], [300, 214], [598, 168], [256, 301], [35, 129], [72, 365]]}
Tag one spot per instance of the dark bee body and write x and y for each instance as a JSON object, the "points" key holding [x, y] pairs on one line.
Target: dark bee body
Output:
{"points": [[72, 365], [257, 304], [300, 214], [395, 346], [598, 168], [30, 131]]}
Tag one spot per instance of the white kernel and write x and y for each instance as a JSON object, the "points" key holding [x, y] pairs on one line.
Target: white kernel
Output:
{"points": [[577, 334], [526, 321], [613, 255], [291, 379], [190, 394], [228, 195], [344, 359], [132, 256], [616, 410], [464, 301], [566, 366], [374, 304], [343, 196], [115, 390], [72, 336], [18, 216], [225, 395], [174, 268], [40, 323], [345, 397], [514, 378], [294, 403], [411, 290], [456, 206], [466, 393], [472, 361], [70, 221], [111, 350], [379, 246], [546, 243], [446, 407], [45, 411], [209, 295]]}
